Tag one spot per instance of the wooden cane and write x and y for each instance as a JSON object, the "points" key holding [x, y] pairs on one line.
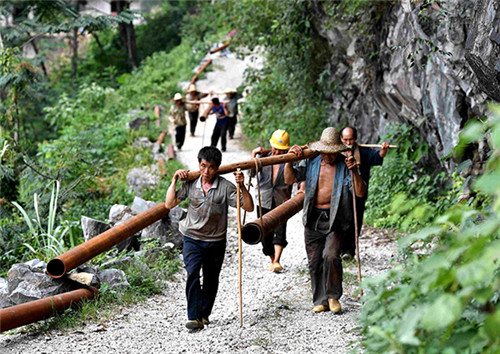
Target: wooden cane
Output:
{"points": [[377, 146], [356, 231], [238, 214]]}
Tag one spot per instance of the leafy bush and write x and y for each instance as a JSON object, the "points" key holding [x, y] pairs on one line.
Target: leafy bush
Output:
{"points": [[406, 193], [444, 295]]}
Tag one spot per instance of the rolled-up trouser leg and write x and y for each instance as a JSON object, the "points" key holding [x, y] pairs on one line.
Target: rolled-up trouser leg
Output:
{"points": [[325, 266]]}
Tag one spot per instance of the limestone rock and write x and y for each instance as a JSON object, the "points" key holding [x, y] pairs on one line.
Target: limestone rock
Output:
{"points": [[116, 278], [92, 227], [30, 282], [143, 142], [140, 178]]}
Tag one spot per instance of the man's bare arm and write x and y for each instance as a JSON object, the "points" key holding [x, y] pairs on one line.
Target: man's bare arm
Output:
{"points": [[359, 184], [171, 201]]}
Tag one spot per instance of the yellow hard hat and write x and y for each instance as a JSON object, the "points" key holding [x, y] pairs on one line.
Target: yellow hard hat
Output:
{"points": [[280, 140]]}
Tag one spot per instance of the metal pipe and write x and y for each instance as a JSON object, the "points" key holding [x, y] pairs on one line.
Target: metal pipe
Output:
{"points": [[264, 161], [20, 315], [62, 264], [171, 152], [195, 77], [220, 48], [161, 137], [254, 232]]}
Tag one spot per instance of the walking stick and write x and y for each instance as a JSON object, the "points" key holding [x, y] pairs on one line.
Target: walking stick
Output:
{"points": [[356, 231], [238, 213]]}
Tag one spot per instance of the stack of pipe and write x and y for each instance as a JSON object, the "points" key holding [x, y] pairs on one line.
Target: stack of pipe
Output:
{"points": [[20, 315]]}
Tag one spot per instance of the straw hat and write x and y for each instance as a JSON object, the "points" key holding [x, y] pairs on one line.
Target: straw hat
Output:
{"points": [[177, 97], [230, 91], [191, 88], [329, 143]]}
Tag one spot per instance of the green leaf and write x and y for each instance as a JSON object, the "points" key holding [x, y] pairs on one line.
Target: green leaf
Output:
{"points": [[442, 313], [409, 322], [492, 326]]}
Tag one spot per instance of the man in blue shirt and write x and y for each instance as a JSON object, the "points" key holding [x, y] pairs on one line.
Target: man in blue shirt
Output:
{"points": [[366, 158]]}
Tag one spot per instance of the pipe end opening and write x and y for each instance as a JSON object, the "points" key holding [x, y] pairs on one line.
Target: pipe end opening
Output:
{"points": [[251, 234], [56, 268]]}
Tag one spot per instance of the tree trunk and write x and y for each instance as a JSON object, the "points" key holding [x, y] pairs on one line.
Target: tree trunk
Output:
{"points": [[101, 48], [74, 58], [42, 63], [127, 34]]}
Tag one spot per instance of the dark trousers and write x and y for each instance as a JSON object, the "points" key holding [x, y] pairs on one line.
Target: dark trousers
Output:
{"points": [[180, 134], [232, 126], [193, 120], [276, 237], [220, 130], [206, 256], [325, 265]]}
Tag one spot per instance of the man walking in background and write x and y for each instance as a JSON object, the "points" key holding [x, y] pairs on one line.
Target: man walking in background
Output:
{"points": [[204, 229], [274, 192], [327, 214], [177, 117], [232, 109], [193, 108], [365, 158]]}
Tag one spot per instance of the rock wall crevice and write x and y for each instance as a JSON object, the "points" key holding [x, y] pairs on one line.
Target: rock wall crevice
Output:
{"points": [[431, 65]]}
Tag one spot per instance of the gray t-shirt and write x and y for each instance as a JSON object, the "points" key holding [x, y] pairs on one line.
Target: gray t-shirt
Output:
{"points": [[206, 218]]}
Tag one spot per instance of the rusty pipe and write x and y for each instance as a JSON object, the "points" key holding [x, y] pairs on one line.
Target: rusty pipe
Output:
{"points": [[161, 137], [220, 48], [71, 259], [171, 152], [200, 70], [254, 232], [20, 315], [264, 161]]}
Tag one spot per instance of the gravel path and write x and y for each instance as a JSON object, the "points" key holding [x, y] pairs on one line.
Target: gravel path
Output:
{"points": [[277, 307]]}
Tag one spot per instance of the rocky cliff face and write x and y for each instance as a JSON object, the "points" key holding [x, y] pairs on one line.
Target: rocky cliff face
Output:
{"points": [[433, 66]]}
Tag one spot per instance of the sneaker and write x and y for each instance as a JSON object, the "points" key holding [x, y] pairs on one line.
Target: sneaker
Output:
{"points": [[320, 308], [194, 324], [205, 321], [334, 305]]}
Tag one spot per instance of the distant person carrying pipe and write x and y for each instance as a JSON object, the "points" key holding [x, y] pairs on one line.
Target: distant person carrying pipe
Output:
{"points": [[232, 109], [220, 130], [273, 192], [193, 108], [204, 229], [365, 158], [177, 117], [328, 212]]}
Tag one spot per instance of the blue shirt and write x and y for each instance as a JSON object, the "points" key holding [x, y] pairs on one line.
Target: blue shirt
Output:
{"points": [[341, 206]]}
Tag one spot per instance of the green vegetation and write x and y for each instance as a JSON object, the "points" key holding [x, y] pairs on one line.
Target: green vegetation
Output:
{"points": [[407, 192], [443, 296]]}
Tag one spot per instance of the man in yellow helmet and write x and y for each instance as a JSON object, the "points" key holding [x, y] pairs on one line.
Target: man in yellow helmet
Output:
{"points": [[274, 192]]}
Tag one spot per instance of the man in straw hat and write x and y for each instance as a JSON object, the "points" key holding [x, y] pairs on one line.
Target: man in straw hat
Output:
{"points": [[177, 117], [232, 109], [274, 192], [193, 108], [328, 213]]}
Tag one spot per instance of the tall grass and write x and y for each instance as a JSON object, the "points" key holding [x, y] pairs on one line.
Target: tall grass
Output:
{"points": [[45, 239]]}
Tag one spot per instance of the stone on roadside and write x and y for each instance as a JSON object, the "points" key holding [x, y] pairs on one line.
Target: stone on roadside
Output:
{"points": [[92, 227], [139, 205], [142, 142], [28, 283], [116, 212], [140, 178], [116, 278]]}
